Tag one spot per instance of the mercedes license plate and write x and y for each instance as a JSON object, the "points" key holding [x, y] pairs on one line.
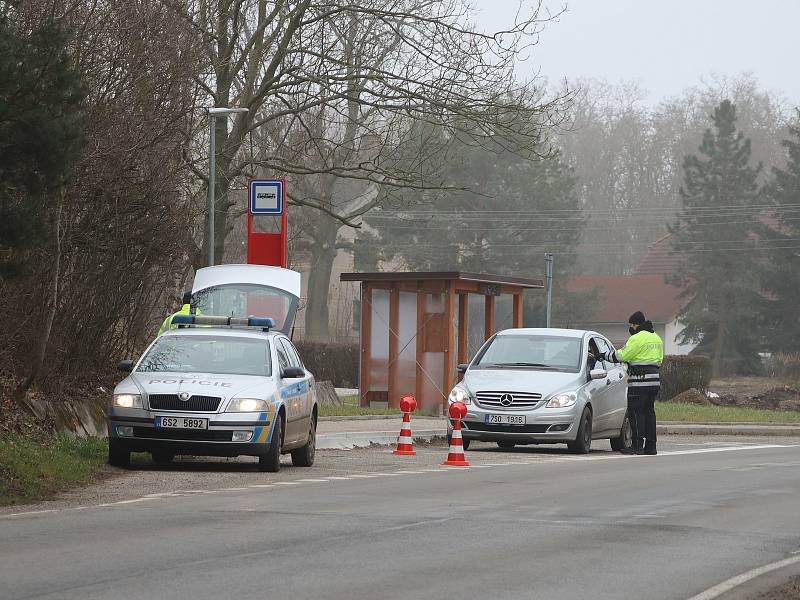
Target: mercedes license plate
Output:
{"points": [[181, 423], [505, 419]]}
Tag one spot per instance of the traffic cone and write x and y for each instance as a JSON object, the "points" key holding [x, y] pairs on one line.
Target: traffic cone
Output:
{"points": [[405, 443], [455, 455]]}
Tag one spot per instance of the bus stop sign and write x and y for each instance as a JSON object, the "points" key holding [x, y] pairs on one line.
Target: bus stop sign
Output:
{"points": [[266, 223]]}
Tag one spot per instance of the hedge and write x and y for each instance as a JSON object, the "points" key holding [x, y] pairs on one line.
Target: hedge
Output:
{"points": [[331, 361], [681, 373]]}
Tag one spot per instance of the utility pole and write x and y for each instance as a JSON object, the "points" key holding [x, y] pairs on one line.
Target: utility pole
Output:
{"points": [[212, 163], [548, 273]]}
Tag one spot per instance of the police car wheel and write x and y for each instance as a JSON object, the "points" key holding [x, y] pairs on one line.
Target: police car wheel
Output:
{"points": [[304, 457], [624, 439], [118, 456], [271, 461], [583, 442], [506, 445]]}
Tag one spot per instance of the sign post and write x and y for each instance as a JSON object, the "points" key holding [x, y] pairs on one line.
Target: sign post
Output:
{"points": [[266, 222]]}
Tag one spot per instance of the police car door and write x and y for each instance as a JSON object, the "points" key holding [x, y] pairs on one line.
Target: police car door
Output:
{"points": [[294, 393], [602, 398]]}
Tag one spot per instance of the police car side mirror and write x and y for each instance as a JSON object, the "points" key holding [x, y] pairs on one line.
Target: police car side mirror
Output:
{"points": [[598, 374], [292, 373], [126, 366], [462, 368]]}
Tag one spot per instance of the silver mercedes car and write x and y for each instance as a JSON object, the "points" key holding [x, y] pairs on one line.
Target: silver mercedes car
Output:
{"points": [[215, 391], [539, 386]]}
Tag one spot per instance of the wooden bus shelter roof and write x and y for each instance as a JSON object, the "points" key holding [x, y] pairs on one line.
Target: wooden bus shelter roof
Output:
{"points": [[519, 282]]}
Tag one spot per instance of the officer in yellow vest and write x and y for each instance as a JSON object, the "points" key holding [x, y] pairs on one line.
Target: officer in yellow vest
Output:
{"points": [[186, 309], [644, 353]]}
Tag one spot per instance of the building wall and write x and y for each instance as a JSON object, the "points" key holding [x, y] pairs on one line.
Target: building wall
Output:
{"points": [[671, 345]]}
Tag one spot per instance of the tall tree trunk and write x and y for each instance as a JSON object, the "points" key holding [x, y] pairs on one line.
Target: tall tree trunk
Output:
{"points": [[323, 253], [47, 326]]}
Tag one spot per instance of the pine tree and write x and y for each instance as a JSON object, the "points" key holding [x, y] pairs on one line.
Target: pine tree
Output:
{"points": [[715, 233], [40, 132], [782, 274]]}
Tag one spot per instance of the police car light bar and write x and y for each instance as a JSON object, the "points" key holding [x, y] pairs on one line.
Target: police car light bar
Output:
{"points": [[262, 322]]}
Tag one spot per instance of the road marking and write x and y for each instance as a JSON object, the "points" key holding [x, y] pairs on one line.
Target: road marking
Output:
{"points": [[233, 489], [337, 478], [733, 582], [409, 472], [287, 483], [33, 512], [132, 501], [261, 485], [362, 476], [726, 449], [312, 481]]}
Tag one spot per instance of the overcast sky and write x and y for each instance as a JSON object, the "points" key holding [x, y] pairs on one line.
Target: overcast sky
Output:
{"points": [[666, 45]]}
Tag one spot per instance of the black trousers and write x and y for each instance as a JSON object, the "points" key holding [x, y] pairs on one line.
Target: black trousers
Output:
{"points": [[642, 416]]}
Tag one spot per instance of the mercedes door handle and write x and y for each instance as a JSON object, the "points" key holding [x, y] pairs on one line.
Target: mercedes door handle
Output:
{"points": [[620, 375]]}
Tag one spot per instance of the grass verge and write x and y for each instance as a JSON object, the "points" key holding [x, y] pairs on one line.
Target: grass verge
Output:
{"points": [[35, 470], [693, 413], [350, 408]]}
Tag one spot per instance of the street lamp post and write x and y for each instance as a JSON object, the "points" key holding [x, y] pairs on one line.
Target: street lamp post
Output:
{"points": [[212, 159]]}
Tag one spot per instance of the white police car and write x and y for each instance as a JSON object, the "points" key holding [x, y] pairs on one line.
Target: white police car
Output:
{"points": [[222, 386]]}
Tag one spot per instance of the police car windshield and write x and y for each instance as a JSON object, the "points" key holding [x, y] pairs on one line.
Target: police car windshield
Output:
{"points": [[208, 354], [531, 352]]}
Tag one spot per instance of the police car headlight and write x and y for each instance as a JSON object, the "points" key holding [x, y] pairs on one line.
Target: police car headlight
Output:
{"points": [[247, 405], [459, 394], [127, 401], [562, 400]]}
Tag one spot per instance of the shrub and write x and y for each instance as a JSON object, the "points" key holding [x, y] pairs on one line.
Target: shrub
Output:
{"points": [[331, 361], [681, 373], [785, 367]]}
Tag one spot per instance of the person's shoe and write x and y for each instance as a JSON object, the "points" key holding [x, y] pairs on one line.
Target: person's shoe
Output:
{"points": [[649, 451], [629, 451]]}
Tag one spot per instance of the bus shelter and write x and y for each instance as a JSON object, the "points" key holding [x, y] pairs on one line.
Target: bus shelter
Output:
{"points": [[415, 327]]}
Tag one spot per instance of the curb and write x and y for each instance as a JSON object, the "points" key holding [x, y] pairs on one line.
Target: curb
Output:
{"points": [[361, 439], [711, 429]]}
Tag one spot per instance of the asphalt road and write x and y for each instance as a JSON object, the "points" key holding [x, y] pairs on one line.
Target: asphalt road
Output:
{"points": [[534, 523]]}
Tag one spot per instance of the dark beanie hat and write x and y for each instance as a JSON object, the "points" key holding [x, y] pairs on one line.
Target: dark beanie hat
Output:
{"points": [[637, 318]]}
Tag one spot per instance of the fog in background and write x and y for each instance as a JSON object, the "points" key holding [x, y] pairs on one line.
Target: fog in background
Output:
{"points": [[666, 46]]}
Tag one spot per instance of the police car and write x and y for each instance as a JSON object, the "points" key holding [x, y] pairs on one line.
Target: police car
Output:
{"points": [[220, 386]]}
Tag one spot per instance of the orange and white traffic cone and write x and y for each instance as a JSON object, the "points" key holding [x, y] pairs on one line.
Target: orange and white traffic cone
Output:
{"points": [[405, 443], [455, 455]]}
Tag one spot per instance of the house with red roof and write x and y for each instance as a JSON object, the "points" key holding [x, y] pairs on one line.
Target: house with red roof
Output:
{"points": [[619, 296]]}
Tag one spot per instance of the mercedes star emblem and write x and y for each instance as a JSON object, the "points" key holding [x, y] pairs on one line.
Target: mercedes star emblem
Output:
{"points": [[506, 399]]}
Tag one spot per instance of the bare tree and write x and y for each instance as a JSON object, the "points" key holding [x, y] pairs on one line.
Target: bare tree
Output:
{"points": [[334, 88]]}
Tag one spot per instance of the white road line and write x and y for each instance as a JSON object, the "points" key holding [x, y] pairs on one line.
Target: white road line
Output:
{"points": [[362, 476], [409, 472], [132, 501], [287, 483], [312, 480], [261, 485], [233, 489], [726, 449], [337, 478], [33, 512], [733, 582]]}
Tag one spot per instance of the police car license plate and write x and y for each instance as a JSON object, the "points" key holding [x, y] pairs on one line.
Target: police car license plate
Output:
{"points": [[181, 423], [505, 419]]}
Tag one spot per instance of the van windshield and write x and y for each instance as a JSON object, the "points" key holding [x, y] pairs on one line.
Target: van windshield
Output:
{"points": [[531, 352]]}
